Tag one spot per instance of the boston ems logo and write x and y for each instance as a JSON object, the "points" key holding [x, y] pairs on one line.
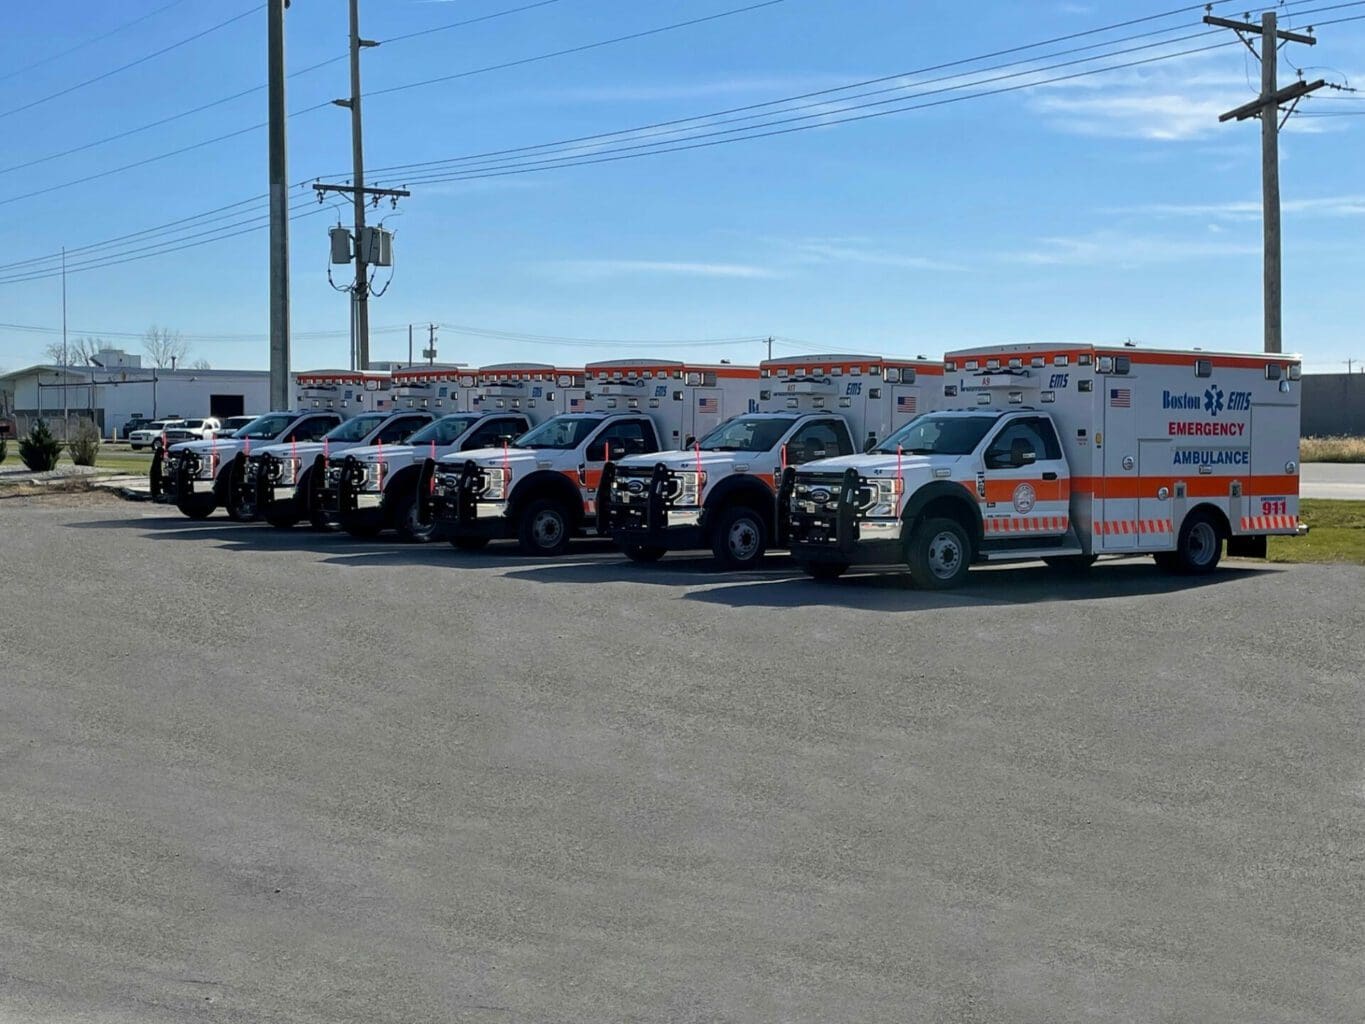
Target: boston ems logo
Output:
{"points": [[1024, 499]]}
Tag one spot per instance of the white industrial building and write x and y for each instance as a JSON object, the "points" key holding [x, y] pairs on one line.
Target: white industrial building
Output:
{"points": [[120, 387]]}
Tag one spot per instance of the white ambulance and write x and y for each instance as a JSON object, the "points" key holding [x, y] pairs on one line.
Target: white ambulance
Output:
{"points": [[1065, 453], [438, 389], [374, 488], [722, 493], [199, 476], [543, 489]]}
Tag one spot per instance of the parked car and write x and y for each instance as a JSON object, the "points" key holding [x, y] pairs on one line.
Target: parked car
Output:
{"points": [[204, 429], [230, 426], [134, 423], [151, 433]]}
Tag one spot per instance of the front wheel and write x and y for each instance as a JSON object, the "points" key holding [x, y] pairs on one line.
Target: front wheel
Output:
{"points": [[544, 529], [643, 553], [240, 505], [740, 538], [939, 554], [824, 572], [1199, 546], [197, 506], [409, 521]]}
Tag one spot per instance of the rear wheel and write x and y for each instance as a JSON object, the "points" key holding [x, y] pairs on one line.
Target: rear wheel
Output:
{"points": [[544, 528], [1199, 546], [470, 543], [939, 554], [643, 552], [824, 572], [740, 538]]}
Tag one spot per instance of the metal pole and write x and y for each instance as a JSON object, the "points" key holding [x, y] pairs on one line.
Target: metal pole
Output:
{"points": [[66, 359], [362, 311], [279, 210], [1270, 179], [409, 344]]}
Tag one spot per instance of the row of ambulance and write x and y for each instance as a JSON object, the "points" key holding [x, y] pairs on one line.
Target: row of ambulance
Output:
{"points": [[1059, 453]]}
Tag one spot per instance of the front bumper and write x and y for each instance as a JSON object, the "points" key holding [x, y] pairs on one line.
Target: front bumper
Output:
{"points": [[637, 510], [459, 511], [831, 530]]}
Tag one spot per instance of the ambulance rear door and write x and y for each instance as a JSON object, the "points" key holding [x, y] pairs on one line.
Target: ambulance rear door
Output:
{"points": [[1134, 513]]}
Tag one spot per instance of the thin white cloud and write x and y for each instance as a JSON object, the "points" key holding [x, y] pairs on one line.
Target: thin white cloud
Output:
{"points": [[607, 268], [1250, 210], [826, 251], [1115, 249]]}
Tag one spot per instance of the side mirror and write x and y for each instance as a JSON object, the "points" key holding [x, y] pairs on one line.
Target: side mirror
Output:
{"points": [[689, 442], [870, 443], [1020, 457]]}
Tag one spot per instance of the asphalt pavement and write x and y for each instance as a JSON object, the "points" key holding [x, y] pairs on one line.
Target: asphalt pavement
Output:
{"points": [[252, 775], [1337, 480]]}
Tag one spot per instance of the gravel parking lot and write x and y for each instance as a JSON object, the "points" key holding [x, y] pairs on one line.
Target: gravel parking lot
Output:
{"points": [[262, 776]]}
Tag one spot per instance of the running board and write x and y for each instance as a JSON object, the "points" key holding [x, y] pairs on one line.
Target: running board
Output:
{"points": [[1029, 554]]}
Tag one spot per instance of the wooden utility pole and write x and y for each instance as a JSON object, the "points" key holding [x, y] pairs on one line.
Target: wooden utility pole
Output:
{"points": [[1267, 108], [279, 210]]}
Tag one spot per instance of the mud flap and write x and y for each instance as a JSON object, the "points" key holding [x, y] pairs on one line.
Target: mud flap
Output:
{"points": [[782, 520], [604, 499], [1247, 547]]}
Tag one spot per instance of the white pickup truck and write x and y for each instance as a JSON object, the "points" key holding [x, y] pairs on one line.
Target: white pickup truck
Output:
{"points": [[375, 487], [287, 476], [199, 476]]}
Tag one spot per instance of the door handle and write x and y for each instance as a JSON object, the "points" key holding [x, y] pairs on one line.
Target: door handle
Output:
{"points": [[1049, 476]]}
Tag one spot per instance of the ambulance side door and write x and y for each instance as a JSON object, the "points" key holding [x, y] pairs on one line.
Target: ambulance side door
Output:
{"points": [[1026, 481], [635, 435]]}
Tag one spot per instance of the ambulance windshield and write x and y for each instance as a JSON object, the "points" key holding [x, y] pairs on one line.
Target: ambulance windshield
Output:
{"points": [[562, 432], [357, 428], [747, 434], [939, 435]]}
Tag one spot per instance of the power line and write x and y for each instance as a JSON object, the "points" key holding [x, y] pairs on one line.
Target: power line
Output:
{"points": [[131, 64], [90, 42], [261, 88]]}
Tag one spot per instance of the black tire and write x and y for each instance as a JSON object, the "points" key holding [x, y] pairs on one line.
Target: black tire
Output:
{"points": [[284, 520], [824, 572], [361, 528], [545, 528], [739, 538], [470, 543], [643, 553], [408, 524], [1200, 545], [322, 522], [939, 554], [241, 507], [197, 506], [1071, 565]]}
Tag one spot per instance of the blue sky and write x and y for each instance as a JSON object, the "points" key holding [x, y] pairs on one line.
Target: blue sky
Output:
{"points": [[1104, 208]]}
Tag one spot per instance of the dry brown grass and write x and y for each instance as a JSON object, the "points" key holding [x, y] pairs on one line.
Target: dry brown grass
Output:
{"points": [[1332, 449]]}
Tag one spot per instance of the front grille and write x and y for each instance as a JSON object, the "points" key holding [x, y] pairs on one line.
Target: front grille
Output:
{"points": [[817, 493]]}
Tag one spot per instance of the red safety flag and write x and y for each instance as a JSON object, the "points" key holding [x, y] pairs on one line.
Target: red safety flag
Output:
{"points": [[696, 445], [294, 456], [506, 463], [900, 472], [433, 468], [784, 456]]}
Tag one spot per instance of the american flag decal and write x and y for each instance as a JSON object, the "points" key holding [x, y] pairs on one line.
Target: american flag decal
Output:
{"points": [[905, 403], [708, 405], [574, 403], [1120, 398]]}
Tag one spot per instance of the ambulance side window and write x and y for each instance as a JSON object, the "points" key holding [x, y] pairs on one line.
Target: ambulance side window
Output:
{"points": [[313, 428], [822, 439], [1033, 434], [635, 436], [490, 434]]}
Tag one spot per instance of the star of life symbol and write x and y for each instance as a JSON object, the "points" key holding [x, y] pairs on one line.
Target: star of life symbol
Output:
{"points": [[1213, 400]]}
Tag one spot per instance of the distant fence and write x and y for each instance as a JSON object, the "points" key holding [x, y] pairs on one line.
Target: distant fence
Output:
{"points": [[1333, 405]]}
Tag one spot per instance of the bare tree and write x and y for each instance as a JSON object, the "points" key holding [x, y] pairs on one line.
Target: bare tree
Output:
{"points": [[79, 351], [164, 346], [201, 364]]}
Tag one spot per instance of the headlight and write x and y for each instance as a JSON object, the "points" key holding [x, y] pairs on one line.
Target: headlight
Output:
{"points": [[374, 476], [879, 497], [208, 466], [690, 485], [497, 479]]}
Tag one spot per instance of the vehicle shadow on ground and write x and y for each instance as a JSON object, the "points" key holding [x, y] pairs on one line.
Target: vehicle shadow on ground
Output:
{"points": [[1015, 585]]}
